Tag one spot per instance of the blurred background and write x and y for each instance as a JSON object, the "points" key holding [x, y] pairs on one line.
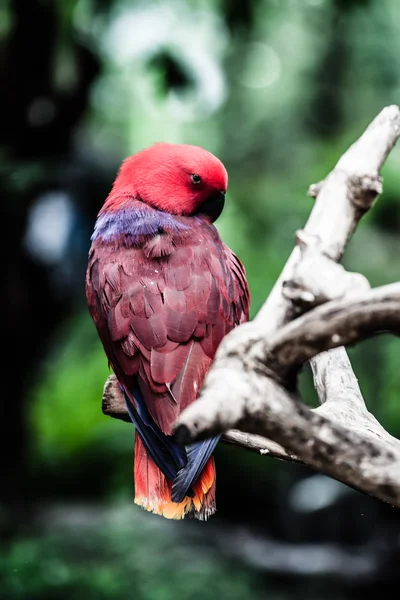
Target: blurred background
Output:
{"points": [[277, 89]]}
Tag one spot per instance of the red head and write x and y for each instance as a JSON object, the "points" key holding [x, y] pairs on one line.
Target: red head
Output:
{"points": [[175, 178]]}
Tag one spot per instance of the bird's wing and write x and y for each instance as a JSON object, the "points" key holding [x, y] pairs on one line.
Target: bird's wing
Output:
{"points": [[161, 322]]}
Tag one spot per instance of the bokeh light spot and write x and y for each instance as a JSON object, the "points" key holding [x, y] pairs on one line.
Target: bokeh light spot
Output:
{"points": [[262, 66]]}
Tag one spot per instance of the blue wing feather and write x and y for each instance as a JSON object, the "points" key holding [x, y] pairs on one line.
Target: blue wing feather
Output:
{"points": [[198, 454], [169, 456], [180, 464]]}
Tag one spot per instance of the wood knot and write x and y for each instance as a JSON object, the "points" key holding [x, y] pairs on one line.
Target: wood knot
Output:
{"points": [[363, 190]]}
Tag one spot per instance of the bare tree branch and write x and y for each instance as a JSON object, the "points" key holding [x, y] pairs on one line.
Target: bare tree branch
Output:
{"points": [[341, 200], [113, 405], [337, 323], [252, 385]]}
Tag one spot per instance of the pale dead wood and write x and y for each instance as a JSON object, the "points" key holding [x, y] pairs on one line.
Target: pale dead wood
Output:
{"points": [[252, 384], [113, 405], [337, 323]]}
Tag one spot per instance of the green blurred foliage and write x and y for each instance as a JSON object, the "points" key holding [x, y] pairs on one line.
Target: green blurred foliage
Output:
{"points": [[101, 556], [278, 89], [74, 418]]}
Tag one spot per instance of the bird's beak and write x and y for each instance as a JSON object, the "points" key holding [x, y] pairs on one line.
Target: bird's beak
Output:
{"points": [[213, 206]]}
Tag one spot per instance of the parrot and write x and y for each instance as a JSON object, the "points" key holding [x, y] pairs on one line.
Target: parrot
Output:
{"points": [[163, 290]]}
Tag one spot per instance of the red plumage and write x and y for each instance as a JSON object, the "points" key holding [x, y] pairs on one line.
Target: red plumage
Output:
{"points": [[162, 298], [160, 176]]}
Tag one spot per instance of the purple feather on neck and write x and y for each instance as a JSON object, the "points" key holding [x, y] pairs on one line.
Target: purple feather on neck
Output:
{"points": [[135, 223]]}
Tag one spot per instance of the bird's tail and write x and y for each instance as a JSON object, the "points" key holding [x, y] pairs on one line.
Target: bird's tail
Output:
{"points": [[153, 490]]}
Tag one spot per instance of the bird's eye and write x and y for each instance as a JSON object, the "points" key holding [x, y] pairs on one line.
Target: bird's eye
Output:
{"points": [[196, 178]]}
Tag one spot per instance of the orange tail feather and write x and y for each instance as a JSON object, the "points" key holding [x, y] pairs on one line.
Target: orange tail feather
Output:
{"points": [[153, 490]]}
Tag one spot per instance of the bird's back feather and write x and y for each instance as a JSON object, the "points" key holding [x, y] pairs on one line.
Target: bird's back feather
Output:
{"points": [[162, 302]]}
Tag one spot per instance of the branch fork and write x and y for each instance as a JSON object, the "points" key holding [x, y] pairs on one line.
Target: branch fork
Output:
{"points": [[316, 307]]}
